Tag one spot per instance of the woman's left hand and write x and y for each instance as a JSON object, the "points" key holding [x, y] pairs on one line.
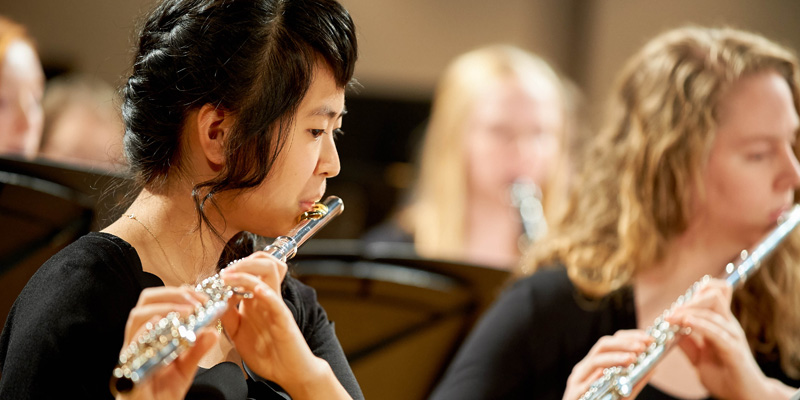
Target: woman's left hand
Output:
{"points": [[718, 347], [264, 331]]}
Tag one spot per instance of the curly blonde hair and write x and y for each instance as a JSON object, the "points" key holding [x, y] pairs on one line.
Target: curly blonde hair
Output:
{"points": [[437, 213], [632, 197]]}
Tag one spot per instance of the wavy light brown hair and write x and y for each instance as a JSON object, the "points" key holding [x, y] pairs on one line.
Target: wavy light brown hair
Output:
{"points": [[436, 215], [635, 187]]}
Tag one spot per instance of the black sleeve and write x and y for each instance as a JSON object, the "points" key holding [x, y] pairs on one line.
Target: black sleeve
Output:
{"points": [[492, 361], [523, 346], [320, 335], [66, 328]]}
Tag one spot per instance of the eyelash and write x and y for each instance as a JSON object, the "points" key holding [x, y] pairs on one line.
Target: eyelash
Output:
{"points": [[759, 156], [318, 132]]}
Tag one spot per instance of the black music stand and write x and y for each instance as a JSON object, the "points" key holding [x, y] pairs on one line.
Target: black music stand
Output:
{"points": [[399, 318], [43, 207]]}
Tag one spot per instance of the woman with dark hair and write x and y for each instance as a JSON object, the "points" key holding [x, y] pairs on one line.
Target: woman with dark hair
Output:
{"points": [[230, 116]]}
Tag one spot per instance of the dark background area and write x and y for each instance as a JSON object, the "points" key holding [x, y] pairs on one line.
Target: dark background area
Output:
{"points": [[377, 154]]}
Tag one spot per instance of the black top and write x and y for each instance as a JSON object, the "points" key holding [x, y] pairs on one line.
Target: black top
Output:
{"points": [[527, 343], [65, 330]]}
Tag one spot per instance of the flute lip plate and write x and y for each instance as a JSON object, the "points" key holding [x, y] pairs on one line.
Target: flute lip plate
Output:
{"points": [[318, 211]]}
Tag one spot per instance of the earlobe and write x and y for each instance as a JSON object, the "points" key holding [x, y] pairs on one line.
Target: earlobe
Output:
{"points": [[213, 124]]}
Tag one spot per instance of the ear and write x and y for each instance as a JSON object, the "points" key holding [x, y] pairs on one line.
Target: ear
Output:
{"points": [[213, 126]]}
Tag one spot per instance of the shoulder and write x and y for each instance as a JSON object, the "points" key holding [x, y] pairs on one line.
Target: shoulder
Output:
{"points": [[526, 308], [98, 276], [545, 311], [92, 262], [78, 299], [95, 267], [93, 249], [516, 345], [546, 287]]}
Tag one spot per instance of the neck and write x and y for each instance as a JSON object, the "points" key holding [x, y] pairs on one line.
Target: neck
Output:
{"points": [[167, 239], [697, 252], [493, 231]]}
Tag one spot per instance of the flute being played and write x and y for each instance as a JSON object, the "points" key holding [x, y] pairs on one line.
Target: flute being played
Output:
{"points": [[230, 111], [164, 341], [697, 160], [618, 382]]}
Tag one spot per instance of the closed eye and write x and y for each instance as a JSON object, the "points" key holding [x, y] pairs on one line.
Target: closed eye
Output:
{"points": [[757, 156], [316, 132], [337, 133]]}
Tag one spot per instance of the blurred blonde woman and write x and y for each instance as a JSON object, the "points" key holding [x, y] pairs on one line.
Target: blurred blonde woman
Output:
{"points": [[499, 116], [697, 162]]}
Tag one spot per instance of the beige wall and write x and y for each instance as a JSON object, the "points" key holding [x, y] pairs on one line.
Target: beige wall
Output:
{"points": [[617, 29], [92, 36], [406, 43]]}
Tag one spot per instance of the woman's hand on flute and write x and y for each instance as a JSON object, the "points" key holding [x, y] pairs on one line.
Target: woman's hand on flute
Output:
{"points": [[618, 350], [173, 380], [266, 335], [718, 347]]}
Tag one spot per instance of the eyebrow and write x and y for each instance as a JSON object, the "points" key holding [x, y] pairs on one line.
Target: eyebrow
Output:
{"points": [[752, 140], [326, 111]]}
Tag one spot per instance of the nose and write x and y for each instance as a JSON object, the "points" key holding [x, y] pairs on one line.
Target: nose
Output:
{"points": [[328, 164], [533, 157], [792, 174]]}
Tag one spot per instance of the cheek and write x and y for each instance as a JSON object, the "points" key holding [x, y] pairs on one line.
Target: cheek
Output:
{"points": [[482, 161], [717, 185], [729, 188], [545, 154]]}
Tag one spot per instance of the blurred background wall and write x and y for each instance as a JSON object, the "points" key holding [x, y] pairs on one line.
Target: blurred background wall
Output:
{"points": [[405, 44]]}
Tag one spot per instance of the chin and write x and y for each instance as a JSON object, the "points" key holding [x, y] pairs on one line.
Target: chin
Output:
{"points": [[756, 234], [281, 228]]}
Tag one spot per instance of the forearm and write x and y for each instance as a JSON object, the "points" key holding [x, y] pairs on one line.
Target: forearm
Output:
{"points": [[769, 388], [778, 390], [320, 383]]}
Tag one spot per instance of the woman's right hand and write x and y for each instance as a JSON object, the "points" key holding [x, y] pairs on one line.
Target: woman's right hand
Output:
{"points": [[171, 381], [619, 350], [266, 334]]}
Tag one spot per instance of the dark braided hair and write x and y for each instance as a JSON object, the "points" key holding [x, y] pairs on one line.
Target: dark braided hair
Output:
{"points": [[253, 58]]}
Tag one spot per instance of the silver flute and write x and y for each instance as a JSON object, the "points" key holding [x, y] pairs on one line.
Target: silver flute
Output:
{"points": [[526, 196], [169, 337], [618, 382]]}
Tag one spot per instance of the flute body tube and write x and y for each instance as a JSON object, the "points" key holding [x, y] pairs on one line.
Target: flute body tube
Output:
{"points": [[618, 382], [165, 340]]}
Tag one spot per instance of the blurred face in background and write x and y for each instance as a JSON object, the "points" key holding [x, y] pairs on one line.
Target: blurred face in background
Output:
{"points": [[513, 133], [21, 91]]}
